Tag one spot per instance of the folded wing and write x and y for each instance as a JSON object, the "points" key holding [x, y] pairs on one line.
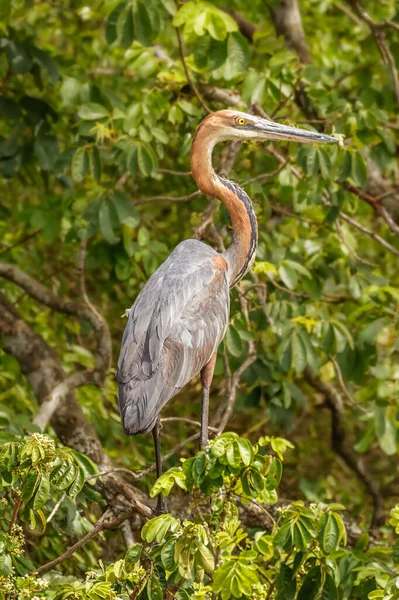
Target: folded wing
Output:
{"points": [[174, 328]]}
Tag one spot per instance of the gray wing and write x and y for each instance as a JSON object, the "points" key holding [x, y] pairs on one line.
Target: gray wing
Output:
{"points": [[174, 328]]}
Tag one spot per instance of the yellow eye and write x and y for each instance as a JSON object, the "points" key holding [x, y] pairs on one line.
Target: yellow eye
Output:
{"points": [[241, 121]]}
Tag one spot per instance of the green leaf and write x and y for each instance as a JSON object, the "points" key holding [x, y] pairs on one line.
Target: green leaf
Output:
{"points": [[311, 585], [92, 111], [346, 165], [297, 267], [125, 209], [330, 535], [205, 558], [146, 160], [160, 135], [189, 108], [233, 455], [324, 163], [18, 58], [329, 591], [125, 27], [95, 163], [186, 12], [45, 61], [167, 480], [237, 55], [274, 475], [142, 24], [359, 169], [79, 165], [168, 555], [46, 150], [110, 28], [283, 535], [298, 353], [264, 544], [234, 341], [42, 493], [105, 222], [29, 486], [312, 161], [77, 485], [170, 6], [285, 584], [157, 528], [395, 552], [246, 451], [281, 58], [288, 276], [70, 91], [217, 27]]}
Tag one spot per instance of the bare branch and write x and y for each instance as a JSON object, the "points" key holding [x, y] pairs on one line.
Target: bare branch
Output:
{"points": [[185, 420], [41, 366], [339, 439], [104, 522], [246, 28], [378, 32], [103, 353], [266, 176], [343, 387], [349, 248], [288, 23], [56, 507], [21, 241], [176, 173], [168, 198]]}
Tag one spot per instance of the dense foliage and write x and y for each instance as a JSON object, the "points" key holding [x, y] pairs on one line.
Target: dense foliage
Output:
{"points": [[98, 106]]}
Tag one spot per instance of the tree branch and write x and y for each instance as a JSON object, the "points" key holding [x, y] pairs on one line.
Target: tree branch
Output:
{"points": [[86, 310], [339, 440], [168, 198], [104, 522], [41, 366], [378, 32]]}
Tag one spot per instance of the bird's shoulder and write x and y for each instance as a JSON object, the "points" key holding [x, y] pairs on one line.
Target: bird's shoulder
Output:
{"points": [[192, 280]]}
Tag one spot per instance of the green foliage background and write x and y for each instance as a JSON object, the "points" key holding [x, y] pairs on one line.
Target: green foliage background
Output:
{"points": [[97, 117]]}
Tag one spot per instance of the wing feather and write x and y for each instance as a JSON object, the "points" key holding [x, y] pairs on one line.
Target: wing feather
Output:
{"points": [[174, 328]]}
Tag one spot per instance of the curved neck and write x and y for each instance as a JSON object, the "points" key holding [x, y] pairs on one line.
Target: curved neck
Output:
{"points": [[241, 253]]}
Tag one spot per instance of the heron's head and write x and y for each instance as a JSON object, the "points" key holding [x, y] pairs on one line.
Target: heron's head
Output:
{"points": [[226, 125]]}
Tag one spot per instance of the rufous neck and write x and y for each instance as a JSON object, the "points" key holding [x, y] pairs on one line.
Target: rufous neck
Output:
{"points": [[241, 253]]}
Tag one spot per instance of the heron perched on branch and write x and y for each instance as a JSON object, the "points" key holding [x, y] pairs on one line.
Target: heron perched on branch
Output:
{"points": [[181, 315]]}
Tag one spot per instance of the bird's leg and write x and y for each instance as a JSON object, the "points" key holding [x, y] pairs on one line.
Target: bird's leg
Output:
{"points": [[161, 504], [206, 380]]}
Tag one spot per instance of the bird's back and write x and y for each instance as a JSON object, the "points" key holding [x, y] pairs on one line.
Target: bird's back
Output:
{"points": [[174, 328]]}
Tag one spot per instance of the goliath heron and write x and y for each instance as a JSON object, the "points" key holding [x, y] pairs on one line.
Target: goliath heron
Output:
{"points": [[181, 315]]}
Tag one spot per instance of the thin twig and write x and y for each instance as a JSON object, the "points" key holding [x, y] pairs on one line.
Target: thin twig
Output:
{"points": [[103, 354], [102, 523], [56, 507], [168, 198], [20, 242], [341, 236], [265, 176], [185, 420], [343, 387], [177, 173], [284, 211], [378, 32]]}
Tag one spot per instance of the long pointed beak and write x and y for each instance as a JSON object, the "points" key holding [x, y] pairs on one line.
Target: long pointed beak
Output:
{"points": [[278, 131]]}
